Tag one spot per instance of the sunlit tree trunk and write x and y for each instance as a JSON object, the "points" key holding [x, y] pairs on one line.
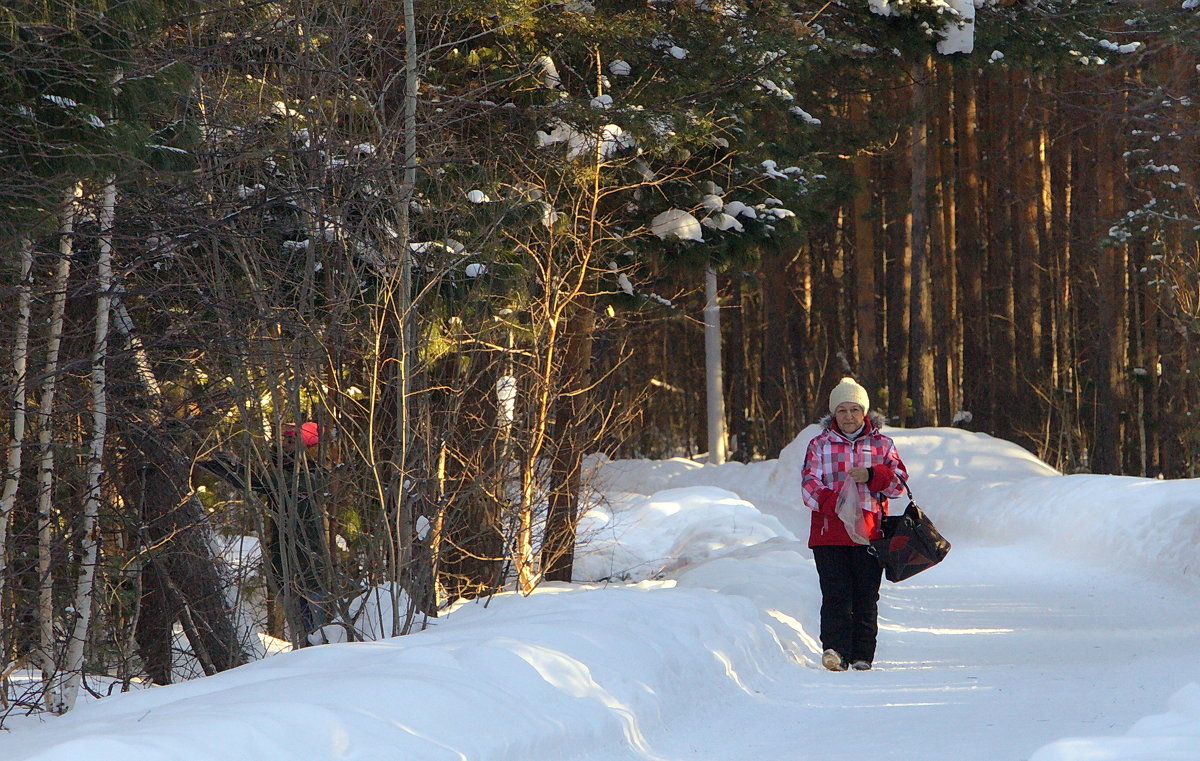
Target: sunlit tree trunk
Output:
{"points": [[1062, 365], [1111, 398], [773, 320], [1028, 368], [1001, 258], [865, 258], [924, 392], [947, 327], [713, 372], [806, 376], [404, 521], [900, 285], [970, 248], [90, 524]]}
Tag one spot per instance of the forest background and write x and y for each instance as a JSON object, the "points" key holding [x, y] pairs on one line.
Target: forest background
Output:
{"points": [[475, 242]]}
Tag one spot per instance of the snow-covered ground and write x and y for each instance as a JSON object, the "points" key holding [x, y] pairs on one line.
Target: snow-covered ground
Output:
{"points": [[1063, 627]]}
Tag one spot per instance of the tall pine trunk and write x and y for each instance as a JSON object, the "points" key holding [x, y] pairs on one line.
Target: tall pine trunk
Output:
{"points": [[971, 249], [924, 392], [1111, 398], [865, 256]]}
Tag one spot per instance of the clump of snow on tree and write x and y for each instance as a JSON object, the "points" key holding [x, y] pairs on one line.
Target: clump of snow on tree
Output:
{"points": [[550, 78], [958, 35], [739, 209], [776, 90], [613, 138], [676, 223], [1130, 47], [549, 215], [724, 222], [806, 116]]}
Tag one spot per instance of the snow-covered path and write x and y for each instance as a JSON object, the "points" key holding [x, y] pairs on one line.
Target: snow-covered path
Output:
{"points": [[990, 656]]}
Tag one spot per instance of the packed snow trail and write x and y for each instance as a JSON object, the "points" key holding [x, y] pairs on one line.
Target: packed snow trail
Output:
{"points": [[988, 657]]}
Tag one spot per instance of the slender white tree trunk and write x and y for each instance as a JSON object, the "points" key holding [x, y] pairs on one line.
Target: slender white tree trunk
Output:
{"points": [[91, 506], [404, 518], [12, 469], [123, 325], [45, 469], [714, 380]]}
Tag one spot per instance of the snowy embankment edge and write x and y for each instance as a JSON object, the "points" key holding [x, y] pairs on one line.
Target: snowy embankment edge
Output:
{"points": [[1133, 522], [1173, 735], [540, 676]]}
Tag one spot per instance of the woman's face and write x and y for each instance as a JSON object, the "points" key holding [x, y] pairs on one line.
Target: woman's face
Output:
{"points": [[849, 416]]}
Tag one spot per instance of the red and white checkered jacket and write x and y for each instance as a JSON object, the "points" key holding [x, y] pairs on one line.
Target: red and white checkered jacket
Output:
{"points": [[827, 465]]}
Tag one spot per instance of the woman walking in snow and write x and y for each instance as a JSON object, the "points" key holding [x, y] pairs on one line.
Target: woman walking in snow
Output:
{"points": [[850, 469]]}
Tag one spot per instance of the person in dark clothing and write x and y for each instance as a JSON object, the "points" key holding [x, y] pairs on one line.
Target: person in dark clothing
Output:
{"points": [[296, 546], [849, 453], [292, 489]]}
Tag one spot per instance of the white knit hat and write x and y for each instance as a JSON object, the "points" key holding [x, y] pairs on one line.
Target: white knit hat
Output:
{"points": [[849, 391]]}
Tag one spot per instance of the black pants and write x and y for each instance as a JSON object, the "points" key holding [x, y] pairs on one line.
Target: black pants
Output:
{"points": [[850, 579]]}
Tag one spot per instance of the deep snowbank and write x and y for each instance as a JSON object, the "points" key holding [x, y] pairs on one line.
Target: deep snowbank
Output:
{"points": [[978, 489], [719, 602], [1172, 736], [539, 677]]}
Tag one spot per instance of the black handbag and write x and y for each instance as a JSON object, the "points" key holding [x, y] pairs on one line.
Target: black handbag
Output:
{"points": [[910, 542]]}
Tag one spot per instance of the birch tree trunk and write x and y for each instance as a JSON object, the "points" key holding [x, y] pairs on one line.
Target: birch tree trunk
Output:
{"points": [[12, 468], [714, 381], [402, 529], [45, 468], [73, 661]]}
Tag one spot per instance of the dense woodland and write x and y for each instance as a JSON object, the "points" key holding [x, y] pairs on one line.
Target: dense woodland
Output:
{"points": [[471, 241]]}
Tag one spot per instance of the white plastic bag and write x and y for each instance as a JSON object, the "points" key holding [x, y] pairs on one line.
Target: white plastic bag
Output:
{"points": [[850, 510]]}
